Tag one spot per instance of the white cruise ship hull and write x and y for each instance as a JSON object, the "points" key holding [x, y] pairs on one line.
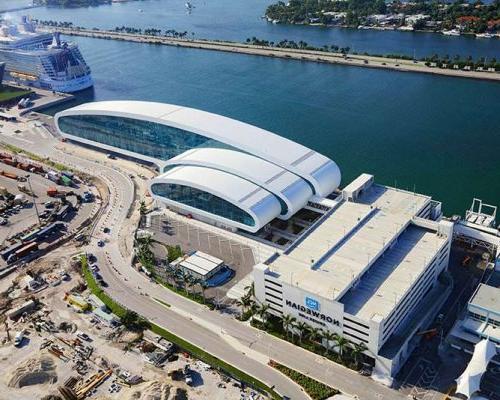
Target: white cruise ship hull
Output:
{"points": [[68, 86], [42, 60]]}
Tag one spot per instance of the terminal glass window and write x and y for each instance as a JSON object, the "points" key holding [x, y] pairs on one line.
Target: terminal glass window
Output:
{"points": [[202, 200], [143, 137]]}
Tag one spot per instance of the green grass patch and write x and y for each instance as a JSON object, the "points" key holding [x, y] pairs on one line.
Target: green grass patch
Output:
{"points": [[9, 93], [196, 297], [195, 351], [316, 390], [161, 302], [17, 150]]}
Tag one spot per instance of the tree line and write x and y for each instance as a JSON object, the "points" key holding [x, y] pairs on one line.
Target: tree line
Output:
{"points": [[474, 17], [331, 345], [445, 61]]}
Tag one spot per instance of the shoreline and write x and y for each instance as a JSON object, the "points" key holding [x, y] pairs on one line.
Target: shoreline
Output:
{"points": [[386, 63]]}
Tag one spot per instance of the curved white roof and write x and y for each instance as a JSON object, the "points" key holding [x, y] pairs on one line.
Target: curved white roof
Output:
{"points": [[290, 188], [322, 173], [251, 198]]}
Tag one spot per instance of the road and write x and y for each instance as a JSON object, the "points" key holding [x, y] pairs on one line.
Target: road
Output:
{"points": [[402, 65], [234, 342]]}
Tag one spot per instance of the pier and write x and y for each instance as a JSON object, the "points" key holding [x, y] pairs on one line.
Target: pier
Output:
{"points": [[402, 65]]}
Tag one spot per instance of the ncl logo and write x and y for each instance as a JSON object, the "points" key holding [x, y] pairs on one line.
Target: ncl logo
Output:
{"points": [[312, 304]]}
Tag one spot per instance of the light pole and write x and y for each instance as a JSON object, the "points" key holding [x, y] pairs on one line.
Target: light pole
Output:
{"points": [[33, 197]]}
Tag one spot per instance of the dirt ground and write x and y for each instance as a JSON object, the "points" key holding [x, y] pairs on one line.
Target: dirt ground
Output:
{"points": [[32, 371]]}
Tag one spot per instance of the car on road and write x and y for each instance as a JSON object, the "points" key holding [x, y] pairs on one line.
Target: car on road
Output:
{"points": [[94, 268]]}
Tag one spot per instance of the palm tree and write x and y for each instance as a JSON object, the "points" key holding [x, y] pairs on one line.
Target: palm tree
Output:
{"points": [[341, 343], [245, 302], [302, 328], [314, 333], [195, 282], [250, 290], [287, 322], [262, 312], [142, 208], [357, 351], [328, 337], [183, 277], [203, 286]]}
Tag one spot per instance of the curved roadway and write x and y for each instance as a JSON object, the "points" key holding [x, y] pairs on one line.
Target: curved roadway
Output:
{"points": [[226, 338]]}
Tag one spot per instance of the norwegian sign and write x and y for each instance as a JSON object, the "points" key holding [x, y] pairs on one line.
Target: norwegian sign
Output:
{"points": [[311, 312]]}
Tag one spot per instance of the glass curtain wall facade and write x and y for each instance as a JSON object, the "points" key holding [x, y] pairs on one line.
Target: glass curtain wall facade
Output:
{"points": [[144, 137], [202, 200]]}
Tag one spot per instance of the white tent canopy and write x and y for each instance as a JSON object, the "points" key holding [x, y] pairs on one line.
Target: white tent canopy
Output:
{"points": [[468, 383]]}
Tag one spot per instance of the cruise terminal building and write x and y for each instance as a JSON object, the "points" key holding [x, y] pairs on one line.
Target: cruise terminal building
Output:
{"points": [[371, 268]]}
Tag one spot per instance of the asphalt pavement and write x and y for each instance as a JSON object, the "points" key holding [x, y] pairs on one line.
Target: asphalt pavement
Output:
{"points": [[223, 336]]}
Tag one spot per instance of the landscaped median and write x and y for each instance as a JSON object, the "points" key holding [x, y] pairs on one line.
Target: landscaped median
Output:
{"points": [[195, 351], [316, 390]]}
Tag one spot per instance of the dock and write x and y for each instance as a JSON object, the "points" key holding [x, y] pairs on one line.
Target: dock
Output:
{"points": [[386, 63]]}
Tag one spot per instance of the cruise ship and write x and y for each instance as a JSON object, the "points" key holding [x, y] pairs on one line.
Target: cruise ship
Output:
{"points": [[42, 59]]}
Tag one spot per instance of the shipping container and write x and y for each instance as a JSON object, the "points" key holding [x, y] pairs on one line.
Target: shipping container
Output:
{"points": [[9, 175], [5, 253], [29, 248], [52, 191], [68, 174], [66, 181]]}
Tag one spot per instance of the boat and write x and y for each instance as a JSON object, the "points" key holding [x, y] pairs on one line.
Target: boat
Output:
{"points": [[452, 32], [189, 5], [484, 35], [140, 10], [41, 59]]}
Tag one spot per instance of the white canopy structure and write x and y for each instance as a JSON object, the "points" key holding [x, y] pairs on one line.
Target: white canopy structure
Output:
{"points": [[228, 172], [293, 191], [104, 116], [469, 382], [218, 195]]}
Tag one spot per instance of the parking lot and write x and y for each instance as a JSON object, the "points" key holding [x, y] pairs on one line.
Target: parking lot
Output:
{"points": [[238, 257], [29, 204]]}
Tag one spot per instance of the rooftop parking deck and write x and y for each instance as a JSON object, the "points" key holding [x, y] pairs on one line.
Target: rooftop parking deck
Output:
{"points": [[347, 242], [392, 275]]}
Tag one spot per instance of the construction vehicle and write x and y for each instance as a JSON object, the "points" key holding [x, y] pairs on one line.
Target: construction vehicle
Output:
{"points": [[54, 192]]}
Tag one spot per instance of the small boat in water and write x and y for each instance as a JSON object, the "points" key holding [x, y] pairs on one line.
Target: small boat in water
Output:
{"points": [[452, 32], [484, 35], [189, 5]]}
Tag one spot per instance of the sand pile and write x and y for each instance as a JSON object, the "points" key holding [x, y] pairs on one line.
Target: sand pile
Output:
{"points": [[150, 391], [35, 371]]}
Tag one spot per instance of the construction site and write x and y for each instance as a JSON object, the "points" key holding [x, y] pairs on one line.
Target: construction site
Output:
{"points": [[57, 340]]}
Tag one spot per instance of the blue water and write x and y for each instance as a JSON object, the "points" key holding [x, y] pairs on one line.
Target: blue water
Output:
{"points": [[240, 19], [438, 135]]}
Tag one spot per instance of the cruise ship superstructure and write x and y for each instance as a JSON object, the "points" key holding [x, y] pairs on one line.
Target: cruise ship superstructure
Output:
{"points": [[42, 59]]}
